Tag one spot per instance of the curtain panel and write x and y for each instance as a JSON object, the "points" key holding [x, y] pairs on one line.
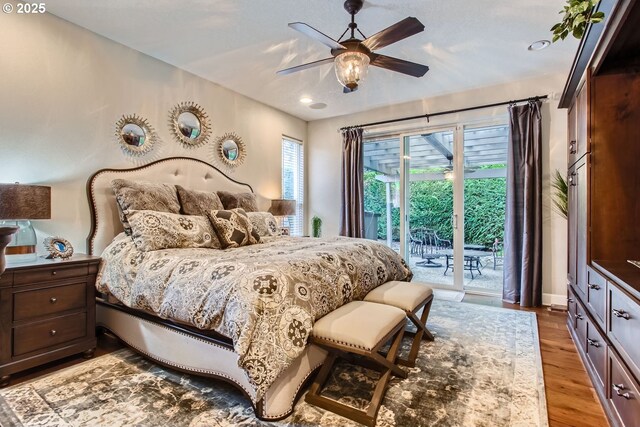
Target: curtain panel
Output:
{"points": [[523, 223], [352, 192]]}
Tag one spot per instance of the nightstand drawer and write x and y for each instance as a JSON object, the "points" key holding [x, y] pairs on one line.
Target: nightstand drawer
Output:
{"points": [[49, 273], [42, 302], [40, 335]]}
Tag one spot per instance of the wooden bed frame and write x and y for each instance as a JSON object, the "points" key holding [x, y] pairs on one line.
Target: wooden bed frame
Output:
{"points": [[180, 347]]}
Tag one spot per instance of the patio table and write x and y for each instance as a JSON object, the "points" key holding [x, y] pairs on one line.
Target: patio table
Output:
{"points": [[471, 260]]}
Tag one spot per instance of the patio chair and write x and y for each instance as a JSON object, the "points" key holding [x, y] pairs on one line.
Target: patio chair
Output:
{"points": [[497, 250]]}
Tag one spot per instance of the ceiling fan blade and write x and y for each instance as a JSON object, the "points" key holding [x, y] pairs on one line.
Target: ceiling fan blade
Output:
{"points": [[309, 31], [400, 65], [305, 66], [347, 90], [398, 31]]}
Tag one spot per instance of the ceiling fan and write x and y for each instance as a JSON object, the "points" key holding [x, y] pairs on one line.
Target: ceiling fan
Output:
{"points": [[353, 56]]}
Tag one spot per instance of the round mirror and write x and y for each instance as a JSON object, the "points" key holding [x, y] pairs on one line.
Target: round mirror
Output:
{"points": [[189, 124], [134, 135], [58, 247], [230, 149]]}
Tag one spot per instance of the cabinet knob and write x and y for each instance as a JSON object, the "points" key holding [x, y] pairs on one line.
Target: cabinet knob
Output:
{"points": [[593, 343], [594, 287], [54, 272], [53, 300], [621, 314], [618, 388], [53, 332], [572, 147], [569, 299]]}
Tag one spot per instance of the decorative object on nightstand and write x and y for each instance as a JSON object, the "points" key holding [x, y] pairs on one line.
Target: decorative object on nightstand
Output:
{"points": [[19, 204], [283, 208], [6, 234], [48, 312], [316, 223], [58, 248]]}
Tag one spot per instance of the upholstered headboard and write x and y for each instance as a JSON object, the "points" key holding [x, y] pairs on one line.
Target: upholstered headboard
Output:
{"points": [[190, 173]]}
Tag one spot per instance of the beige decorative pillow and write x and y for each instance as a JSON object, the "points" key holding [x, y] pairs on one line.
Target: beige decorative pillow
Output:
{"points": [[246, 201], [148, 196], [152, 230], [194, 202], [264, 223], [233, 227]]}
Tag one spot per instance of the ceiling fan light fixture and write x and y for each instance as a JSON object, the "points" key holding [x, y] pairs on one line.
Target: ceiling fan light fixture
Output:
{"points": [[351, 68]]}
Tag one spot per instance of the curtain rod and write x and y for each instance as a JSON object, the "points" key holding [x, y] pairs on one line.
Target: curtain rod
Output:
{"points": [[441, 113]]}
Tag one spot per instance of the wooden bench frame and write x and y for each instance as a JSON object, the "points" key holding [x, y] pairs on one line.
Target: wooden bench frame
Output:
{"points": [[422, 332]]}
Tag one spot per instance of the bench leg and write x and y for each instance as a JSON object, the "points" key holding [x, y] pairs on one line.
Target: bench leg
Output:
{"points": [[421, 333]]}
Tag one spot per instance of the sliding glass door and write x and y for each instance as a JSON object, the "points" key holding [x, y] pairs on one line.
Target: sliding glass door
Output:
{"points": [[437, 197]]}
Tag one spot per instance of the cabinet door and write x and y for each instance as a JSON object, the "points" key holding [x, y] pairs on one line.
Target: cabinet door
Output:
{"points": [[582, 121], [582, 280], [572, 147], [572, 228]]}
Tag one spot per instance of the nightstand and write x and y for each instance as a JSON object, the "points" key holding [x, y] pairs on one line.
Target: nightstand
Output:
{"points": [[47, 312]]}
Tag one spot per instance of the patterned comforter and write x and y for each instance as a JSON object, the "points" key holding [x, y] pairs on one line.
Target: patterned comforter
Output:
{"points": [[265, 297]]}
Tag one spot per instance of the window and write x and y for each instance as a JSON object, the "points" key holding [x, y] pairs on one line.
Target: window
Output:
{"points": [[293, 183]]}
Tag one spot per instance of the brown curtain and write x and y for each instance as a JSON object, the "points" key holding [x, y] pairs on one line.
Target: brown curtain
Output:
{"points": [[352, 209], [523, 223]]}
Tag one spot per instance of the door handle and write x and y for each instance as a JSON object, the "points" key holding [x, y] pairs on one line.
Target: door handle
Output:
{"points": [[455, 221], [594, 287]]}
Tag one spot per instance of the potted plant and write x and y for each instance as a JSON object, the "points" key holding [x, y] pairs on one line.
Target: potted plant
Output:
{"points": [[577, 15], [316, 225], [559, 197]]}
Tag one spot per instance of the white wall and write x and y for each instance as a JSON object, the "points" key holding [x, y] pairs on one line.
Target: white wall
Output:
{"points": [[324, 154], [62, 90]]}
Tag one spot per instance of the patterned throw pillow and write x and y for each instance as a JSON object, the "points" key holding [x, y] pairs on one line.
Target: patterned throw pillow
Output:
{"points": [[264, 223], [196, 202], [152, 230], [233, 227], [246, 201], [148, 196]]}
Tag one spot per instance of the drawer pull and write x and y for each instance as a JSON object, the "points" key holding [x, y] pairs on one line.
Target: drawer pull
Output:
{"points": [[570, 300], [620, 387], [54, 272], [593, 343], [621, 313], [53, 300], [572, 147], [594, 287], [53, 332], [579, 316]]}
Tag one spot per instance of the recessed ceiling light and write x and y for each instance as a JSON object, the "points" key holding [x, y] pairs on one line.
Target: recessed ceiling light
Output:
{"points": [[306, 100], [539, 45], [318, 106]]}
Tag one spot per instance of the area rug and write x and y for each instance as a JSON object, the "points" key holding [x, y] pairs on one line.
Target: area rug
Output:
{"points": [[483, 369]]}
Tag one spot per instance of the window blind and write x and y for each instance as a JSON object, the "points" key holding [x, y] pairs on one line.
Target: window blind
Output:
{"points": [[293, 183]]}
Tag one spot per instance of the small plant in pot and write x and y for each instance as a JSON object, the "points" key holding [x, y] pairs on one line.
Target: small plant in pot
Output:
{"points": [[577, 15], [560, 195], [316, 225]]}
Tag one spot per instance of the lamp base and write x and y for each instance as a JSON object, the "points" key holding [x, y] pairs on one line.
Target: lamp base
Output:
{"points": [[22, 247], [6, 234]]}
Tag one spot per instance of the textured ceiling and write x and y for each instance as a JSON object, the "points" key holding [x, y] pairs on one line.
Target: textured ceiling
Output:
{"points": [[240, 44]]}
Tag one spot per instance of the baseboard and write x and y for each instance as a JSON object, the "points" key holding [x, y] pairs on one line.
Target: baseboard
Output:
{"points": [[549, 299]]}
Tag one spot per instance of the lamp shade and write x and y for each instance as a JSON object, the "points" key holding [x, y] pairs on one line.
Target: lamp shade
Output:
{"points": [[282, 207], [18, 201]]}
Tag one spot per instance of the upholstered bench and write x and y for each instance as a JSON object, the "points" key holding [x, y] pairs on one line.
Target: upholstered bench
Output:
{"points": [[358, 328], [410, 297]]}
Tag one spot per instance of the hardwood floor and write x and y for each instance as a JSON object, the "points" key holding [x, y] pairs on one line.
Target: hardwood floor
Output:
{"points": [[571, 400]]}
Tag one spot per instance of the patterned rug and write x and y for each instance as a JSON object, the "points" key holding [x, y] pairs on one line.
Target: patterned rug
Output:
{"points": [[484, 369]]}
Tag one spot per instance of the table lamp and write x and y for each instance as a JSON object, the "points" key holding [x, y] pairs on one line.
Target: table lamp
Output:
{"points": [[283, 208], [19, 204]]}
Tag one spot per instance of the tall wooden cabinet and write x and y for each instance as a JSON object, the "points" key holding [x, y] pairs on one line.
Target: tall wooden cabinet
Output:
{"points": [[603, 295]]}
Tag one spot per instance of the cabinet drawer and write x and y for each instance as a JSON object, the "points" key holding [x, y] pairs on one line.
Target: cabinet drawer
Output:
{"points": [[624, 324], [624, 392], [581, 325], [48, 333], [596, 296], [42, 302], [49, 273], [596, 349]]}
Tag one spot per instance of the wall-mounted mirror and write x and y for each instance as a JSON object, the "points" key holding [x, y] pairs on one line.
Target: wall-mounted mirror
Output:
{"points": [[189, 124], [230, 149], [135, 135]]}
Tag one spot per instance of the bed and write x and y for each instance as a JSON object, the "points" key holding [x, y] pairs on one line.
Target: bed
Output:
{"points": [[248, 329]]}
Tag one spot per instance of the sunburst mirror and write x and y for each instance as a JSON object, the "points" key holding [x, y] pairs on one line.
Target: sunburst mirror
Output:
{"points": [[190, 124], [135, 135], [230, 149]]}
